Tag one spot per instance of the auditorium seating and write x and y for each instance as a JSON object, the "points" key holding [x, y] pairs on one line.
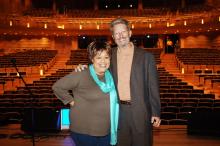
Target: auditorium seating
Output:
{"points": [[1, 51], [149, 12], [28, 63], [156, 52], [195, 9], [178, 99], [27, 58], [123, 12], [42, 95], [198, 59], [175, 105], [39, 13], [9, 77], [81, 56], [97, 14], [78, 57]]}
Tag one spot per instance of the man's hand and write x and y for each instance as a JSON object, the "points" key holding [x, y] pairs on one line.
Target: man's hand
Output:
{"points": [[71, 103], [155, 121], [80, 68]]}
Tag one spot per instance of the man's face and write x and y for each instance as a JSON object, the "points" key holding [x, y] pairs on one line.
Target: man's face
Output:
{"points": [[121, 35]]}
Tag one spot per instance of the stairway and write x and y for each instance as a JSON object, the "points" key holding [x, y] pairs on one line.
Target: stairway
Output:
{"points": [[168, 61], [60, 62]]}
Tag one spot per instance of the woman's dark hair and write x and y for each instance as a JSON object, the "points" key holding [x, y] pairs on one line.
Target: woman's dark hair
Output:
{"points": [[96, 47]]}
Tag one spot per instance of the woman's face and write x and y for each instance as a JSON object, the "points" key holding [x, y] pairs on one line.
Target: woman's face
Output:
{"points": [[101, 62]]}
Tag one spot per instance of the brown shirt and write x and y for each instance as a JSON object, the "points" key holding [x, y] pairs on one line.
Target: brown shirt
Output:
{"points": [[124, 61], [91, 111]]}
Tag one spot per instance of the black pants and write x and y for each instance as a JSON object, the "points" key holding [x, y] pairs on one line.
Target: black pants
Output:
{"points": [[87, 140], [127, 134]]}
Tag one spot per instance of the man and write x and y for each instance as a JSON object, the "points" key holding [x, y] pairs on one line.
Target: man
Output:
{"points": [[135, 74]]}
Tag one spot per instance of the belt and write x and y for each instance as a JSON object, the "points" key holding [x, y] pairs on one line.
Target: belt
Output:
{"points": [[126, 102]]}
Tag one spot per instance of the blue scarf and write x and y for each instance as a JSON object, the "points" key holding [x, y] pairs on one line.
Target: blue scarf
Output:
{"points": [[109, 87]]}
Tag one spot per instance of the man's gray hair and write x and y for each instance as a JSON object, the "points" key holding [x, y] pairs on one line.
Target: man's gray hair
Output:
{"points": [[119, 21]]}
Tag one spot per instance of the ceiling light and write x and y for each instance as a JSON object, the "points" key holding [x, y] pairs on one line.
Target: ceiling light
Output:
{"points": [[97, 27], [202, 22], [10, 23], [45, 26]]}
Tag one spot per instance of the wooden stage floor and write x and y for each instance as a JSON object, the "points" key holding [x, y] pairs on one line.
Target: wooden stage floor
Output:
{"points": [[163, 136]]}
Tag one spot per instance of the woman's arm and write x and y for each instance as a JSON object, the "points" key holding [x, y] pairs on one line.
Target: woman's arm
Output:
{"points": [[62, 87]]}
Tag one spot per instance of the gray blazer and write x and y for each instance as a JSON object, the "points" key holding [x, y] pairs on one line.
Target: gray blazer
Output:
{"points": [[144, 84]]}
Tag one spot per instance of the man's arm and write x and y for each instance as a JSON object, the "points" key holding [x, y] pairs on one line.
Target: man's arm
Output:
{"points": [[80, 67], [154, 92]]}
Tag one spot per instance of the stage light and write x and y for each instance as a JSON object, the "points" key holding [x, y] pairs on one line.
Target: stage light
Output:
{"points": [[172, 24], [28, 25], [60, 26], [41, 72], [10, 23], [202, 21], [182, 71], [45, 26], [97, 27]]}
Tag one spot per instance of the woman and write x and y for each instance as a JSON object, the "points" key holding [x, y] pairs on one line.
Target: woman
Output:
{"points": [[94, 104]]}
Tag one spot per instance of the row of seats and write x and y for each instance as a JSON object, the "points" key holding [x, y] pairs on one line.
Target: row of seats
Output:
{"points": [[27, 58], [178, 99], [122, 12], [113, 13], [156, 52], [39, 13], [5, 77], [78, 57], [43, 97], [198, 56], [81, 56], [176, 96]]}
